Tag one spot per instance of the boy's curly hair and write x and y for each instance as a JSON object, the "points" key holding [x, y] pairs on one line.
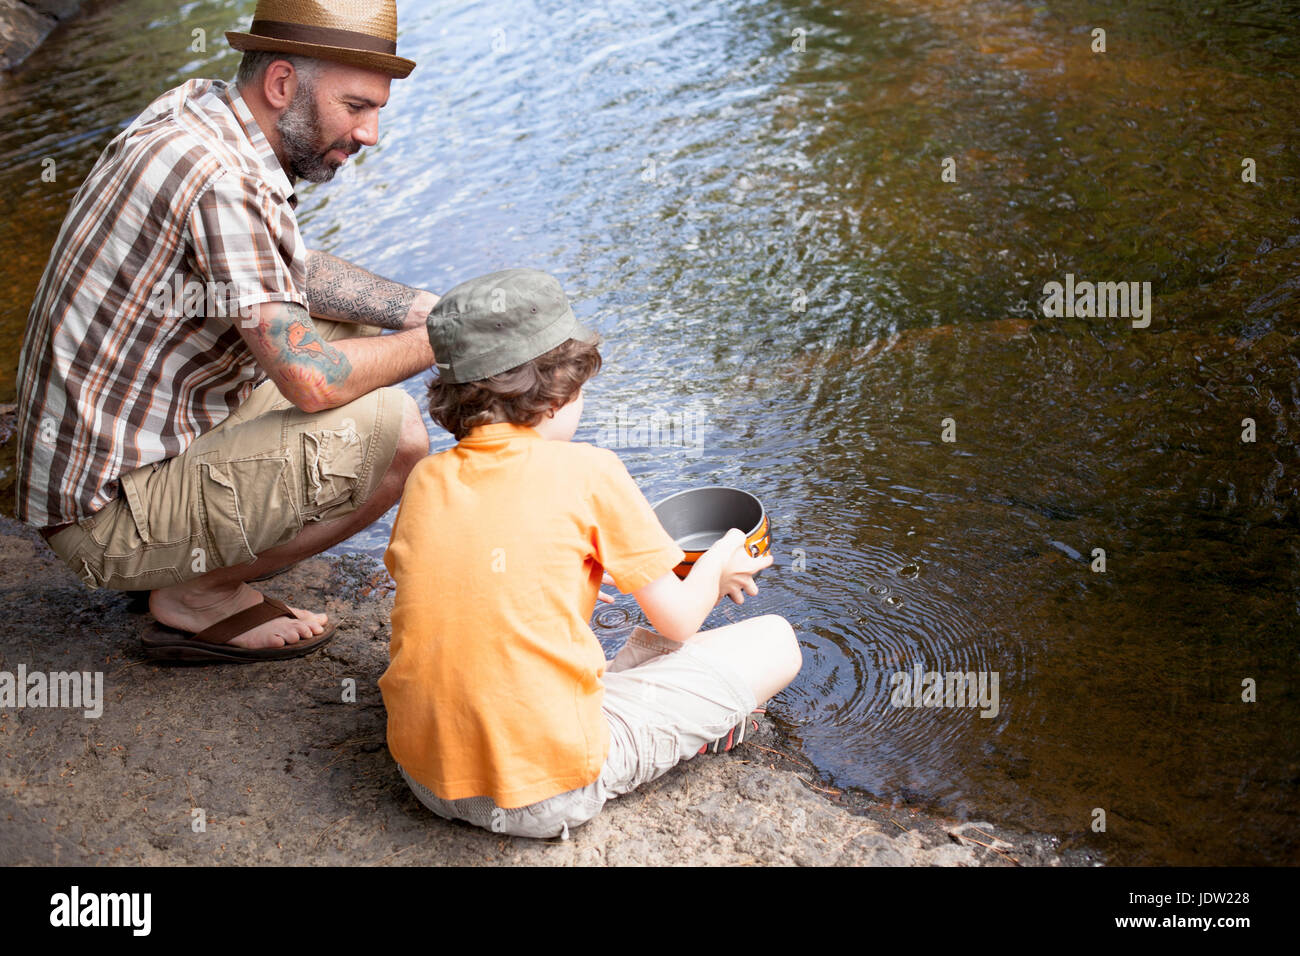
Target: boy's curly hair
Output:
{"points": [[521, 395]]}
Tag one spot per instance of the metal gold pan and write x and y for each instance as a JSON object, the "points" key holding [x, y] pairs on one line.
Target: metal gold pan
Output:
{"points": [[699, 517]]}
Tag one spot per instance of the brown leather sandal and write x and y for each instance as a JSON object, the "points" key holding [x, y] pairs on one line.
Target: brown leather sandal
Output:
{"points": [[163, 643]]}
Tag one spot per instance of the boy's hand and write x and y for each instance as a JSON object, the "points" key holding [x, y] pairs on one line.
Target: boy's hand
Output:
{"points": [[601, 595], [740, 567]]}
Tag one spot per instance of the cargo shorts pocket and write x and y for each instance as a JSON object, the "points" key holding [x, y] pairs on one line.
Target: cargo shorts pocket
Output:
{"points": [[658, 751], [332, 464], [247, 507]]}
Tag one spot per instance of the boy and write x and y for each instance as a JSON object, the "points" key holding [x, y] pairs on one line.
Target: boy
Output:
{"points": [[502, 710]]}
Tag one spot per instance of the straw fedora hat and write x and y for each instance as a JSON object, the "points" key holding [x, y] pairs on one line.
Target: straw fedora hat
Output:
{"points": [[359, 32]]}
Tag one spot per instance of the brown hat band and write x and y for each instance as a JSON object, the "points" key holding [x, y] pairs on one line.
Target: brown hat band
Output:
{"points": [[321, 36]]}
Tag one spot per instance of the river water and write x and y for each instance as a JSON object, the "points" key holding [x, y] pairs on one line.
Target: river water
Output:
{"points": [[749, 200]]}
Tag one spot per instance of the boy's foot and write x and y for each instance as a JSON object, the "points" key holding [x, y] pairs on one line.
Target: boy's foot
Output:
{"points": [[734, 736]]}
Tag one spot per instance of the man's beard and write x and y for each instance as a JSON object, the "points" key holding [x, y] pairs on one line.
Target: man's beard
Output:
{"points": [[299, 129]]}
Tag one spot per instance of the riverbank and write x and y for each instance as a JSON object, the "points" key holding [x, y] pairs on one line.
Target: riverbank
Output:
{"points": [[24, 25], [273, 764]]}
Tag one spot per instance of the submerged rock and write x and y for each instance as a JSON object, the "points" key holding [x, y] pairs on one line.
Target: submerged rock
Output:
{"points": [[24, 24]]}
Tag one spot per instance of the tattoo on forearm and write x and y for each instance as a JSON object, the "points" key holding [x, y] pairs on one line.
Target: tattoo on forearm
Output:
{"points": [[305, 357], [339, 290]]}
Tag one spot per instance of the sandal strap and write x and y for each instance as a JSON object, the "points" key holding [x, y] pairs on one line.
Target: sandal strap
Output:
{"points": [[224, 631]]}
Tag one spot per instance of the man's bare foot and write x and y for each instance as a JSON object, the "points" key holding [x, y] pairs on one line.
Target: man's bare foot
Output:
{"points": [[187, 610]]}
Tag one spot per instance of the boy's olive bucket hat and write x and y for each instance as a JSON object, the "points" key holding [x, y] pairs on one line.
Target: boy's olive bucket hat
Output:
{"points": [[499, 321]]}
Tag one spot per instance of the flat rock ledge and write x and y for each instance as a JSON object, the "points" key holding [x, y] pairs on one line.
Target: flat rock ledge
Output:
{"points": [[286, 763]]}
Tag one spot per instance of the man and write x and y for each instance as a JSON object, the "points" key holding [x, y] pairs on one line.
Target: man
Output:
{"points": [[149, 456]]}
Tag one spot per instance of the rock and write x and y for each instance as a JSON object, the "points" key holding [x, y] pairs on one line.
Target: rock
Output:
{"points": [[885, 856], [290, 773], [815, 852], [629, 853], [951, 855], [59, 9], [872, 849], [21, 31], [976, 831]]}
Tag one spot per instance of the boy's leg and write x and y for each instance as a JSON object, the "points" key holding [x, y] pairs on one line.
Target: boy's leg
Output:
{"points": [[642, 645], [763, 650], [663, 702], [664, 710]]}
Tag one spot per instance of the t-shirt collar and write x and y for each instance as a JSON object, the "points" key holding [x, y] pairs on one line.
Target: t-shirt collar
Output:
{"points": [[498, 432], [257, 140]]}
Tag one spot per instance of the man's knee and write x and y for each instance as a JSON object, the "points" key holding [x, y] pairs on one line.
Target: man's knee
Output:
{"points": [[405, 434], [393, 441], [333, 330], [413, 439]]}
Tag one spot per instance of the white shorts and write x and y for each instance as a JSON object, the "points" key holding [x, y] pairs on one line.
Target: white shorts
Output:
{"points": [[663, 702]]}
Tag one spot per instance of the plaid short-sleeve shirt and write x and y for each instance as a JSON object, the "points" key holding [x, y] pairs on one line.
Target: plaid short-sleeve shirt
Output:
{"points": [[133, 347]]}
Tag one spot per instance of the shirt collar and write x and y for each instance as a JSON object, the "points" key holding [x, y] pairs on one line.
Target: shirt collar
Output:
{"points": [[498, 432], [257, 139]]}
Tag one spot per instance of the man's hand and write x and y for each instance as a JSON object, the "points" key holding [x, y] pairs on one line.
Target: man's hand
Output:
{"points": [[337, 289]]}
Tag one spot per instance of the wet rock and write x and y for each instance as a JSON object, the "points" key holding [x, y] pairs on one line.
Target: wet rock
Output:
{"points": [[8, 422], [978, 832], [59, 9], [22, 28]]}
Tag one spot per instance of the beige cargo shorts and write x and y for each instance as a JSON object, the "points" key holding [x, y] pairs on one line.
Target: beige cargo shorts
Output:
{"points": [[249, 485], [663, 702]]}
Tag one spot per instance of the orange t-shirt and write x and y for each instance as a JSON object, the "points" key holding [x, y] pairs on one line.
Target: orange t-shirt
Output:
{"points": [[493, 685]]}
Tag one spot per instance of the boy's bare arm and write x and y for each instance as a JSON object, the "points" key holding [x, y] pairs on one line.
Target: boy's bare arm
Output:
{"points": [[677, 608], [337, 289], [315, 374]]}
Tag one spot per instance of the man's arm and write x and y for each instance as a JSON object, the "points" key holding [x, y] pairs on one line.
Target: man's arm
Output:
{"points": [[315, 374], [337, 289]]}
